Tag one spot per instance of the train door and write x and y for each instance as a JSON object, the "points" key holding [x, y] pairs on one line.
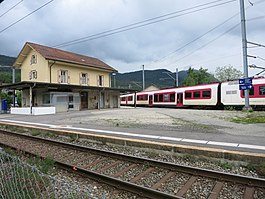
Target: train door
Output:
{"points": [[150, 100], [179, 99]]}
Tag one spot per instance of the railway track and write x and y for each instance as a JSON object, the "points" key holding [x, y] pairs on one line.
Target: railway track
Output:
{"points": [[144, 177]]}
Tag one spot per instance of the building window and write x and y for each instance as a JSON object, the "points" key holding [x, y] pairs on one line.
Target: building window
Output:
{"points": [[33, 59], [100, 80], [63, 76], [33, 74], [84, 78], [46, 99]]}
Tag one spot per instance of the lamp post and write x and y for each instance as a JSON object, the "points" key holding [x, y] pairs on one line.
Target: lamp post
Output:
{"points": [[176, 79]]}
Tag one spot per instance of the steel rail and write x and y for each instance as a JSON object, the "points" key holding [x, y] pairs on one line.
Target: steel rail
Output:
{"points": [[170, 166]]}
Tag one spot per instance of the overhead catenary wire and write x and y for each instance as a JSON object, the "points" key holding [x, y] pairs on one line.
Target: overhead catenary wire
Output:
{"points": [[206, 44], [11, 8], [197, 38], [145, 22], [26, 16]]}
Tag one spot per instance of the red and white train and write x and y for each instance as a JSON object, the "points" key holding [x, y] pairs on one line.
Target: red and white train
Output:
{"points": [[207, 95]]}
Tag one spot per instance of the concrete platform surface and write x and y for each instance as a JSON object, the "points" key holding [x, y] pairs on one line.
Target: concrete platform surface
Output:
{"points": [[207, 128]]}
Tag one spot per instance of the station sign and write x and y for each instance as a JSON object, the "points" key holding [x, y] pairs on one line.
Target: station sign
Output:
{"points": [[245, 81], [245, 87], [245, 84]]}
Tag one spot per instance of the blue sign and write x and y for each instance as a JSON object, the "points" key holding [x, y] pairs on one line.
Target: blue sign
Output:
{"points": [[245, 87], [245, 81]]}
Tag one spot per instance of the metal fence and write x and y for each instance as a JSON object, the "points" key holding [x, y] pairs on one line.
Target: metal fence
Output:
{"points": [[19, 180]]}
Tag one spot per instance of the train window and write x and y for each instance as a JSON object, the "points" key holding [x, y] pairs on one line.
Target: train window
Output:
{"points": [[172, 97], [187, 95], [160, 97], [166, 97], [155, 97], [130, 98], [123, 99], [262, 90], [206, 94], [142, 97], [197, 94], [251, 92]]}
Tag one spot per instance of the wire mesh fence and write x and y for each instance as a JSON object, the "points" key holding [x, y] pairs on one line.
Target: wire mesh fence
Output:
{"points": [[19, 180]]}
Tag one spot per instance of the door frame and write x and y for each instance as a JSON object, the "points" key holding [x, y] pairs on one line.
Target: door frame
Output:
{"points": [[179, 99]]}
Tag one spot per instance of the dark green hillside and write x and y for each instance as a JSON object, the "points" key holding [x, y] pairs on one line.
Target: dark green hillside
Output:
{"points": [[6, 60], [158, 78], [6, 71]]}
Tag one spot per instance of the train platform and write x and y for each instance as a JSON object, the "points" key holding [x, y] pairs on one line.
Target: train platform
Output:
{"points": [[186, 128]]}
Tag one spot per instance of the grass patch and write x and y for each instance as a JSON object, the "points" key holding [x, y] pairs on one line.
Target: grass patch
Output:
{"points": [[225, 165], [50, 135], [249, 119], [230, 108], [259, 168], [73, 137], [44, 165], [35, 132]]}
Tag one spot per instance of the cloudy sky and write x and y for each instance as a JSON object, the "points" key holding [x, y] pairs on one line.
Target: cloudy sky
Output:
{"points": [[166, 34]]}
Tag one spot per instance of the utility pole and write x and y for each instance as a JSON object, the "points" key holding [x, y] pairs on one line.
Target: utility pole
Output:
{"points": [[244, 47], [143, 78], [177, 77]]}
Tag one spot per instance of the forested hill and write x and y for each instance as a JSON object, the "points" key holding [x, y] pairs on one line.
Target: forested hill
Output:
{"points": [[6, 72], [157, 78], [6, 60]]}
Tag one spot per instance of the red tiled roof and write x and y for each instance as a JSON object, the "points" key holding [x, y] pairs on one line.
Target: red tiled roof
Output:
{"points": [[64, 56]]}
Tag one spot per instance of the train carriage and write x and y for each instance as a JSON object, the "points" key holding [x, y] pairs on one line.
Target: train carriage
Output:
{"points": [[207, 95], [232, 96], [144, 98], [168, 97], [127, 99], [201, 95]]}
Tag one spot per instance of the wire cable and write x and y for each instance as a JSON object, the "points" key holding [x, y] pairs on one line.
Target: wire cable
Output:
{"points": [[197, 38], [11, 8], [26, 16], [143, 23], [206, 44]]}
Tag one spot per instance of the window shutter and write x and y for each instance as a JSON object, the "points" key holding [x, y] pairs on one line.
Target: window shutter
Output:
{"points": [[87, 79], [102, 78], [98, 80], [80, 78], [59, 76], [68, 81], [30, 75]]}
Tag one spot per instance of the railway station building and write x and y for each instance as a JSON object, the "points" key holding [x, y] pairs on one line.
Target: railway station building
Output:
{"points": [[57, 80]]}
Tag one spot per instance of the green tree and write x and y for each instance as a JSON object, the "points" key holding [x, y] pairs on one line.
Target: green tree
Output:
{"points": [[227, 73], [5, 77], [196, 77]]}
